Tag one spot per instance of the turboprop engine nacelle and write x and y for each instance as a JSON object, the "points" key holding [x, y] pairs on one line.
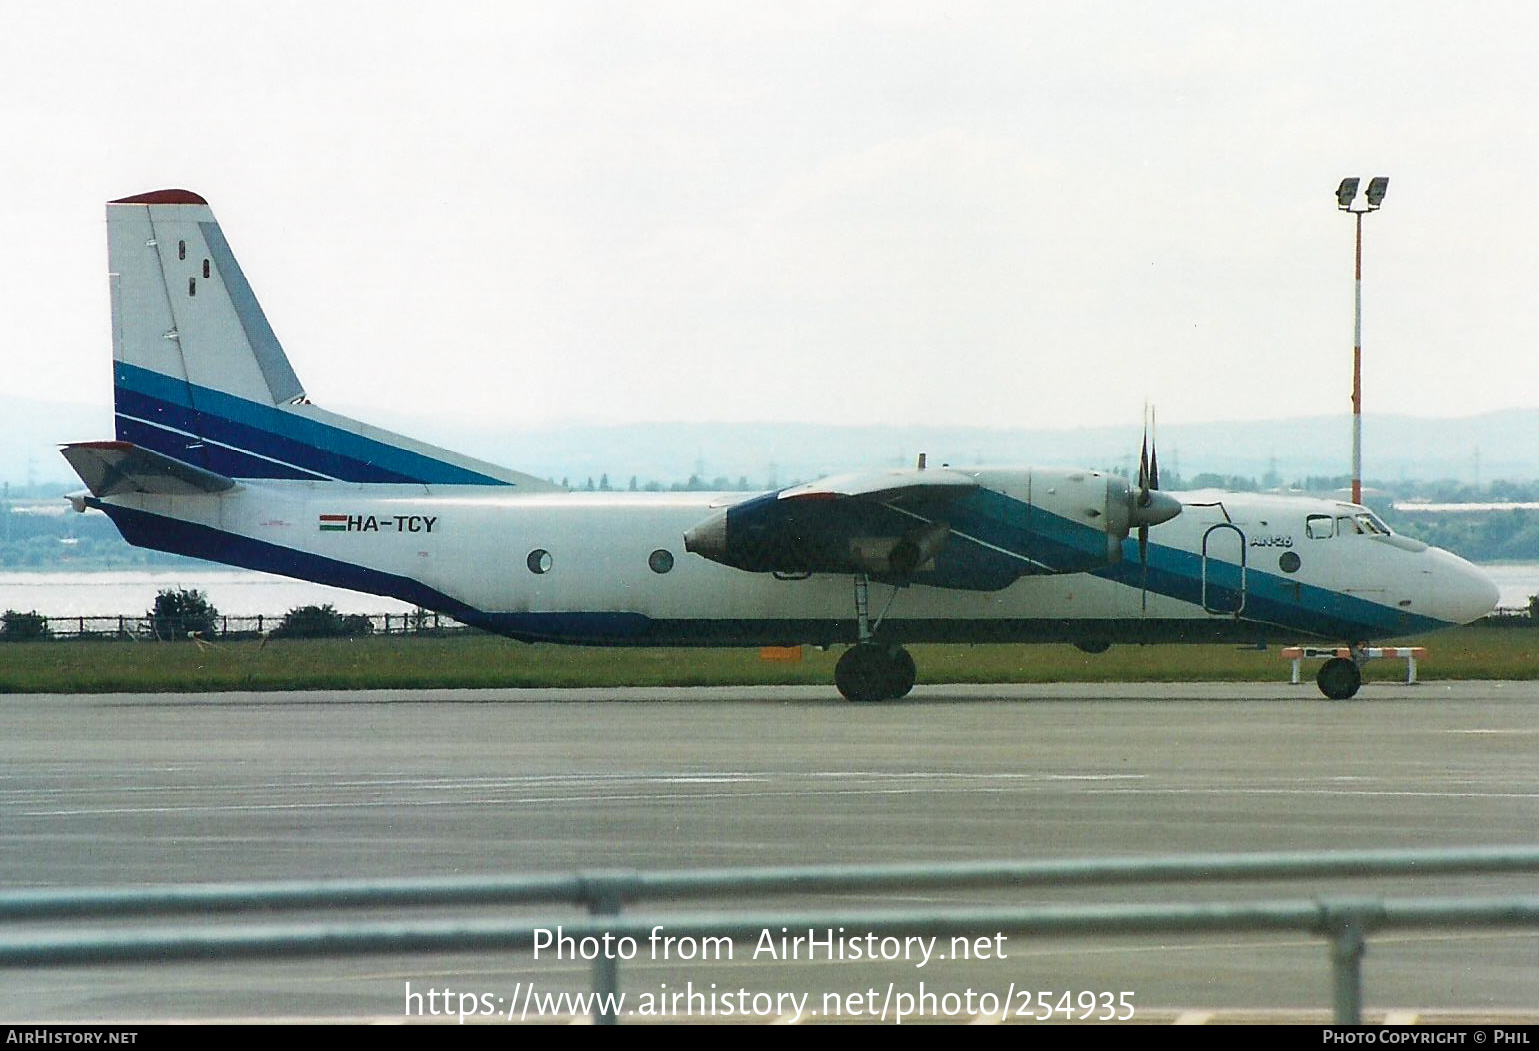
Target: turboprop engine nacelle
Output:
{"points": [[1077, 520], [1129, 507]]}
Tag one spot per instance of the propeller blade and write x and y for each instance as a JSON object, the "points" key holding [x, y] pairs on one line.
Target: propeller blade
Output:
{"points": [[1149, 508], [1143, 565], [1143, 468]]}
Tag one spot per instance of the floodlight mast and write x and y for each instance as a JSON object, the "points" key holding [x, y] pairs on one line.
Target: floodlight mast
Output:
{"points": [[1346, 193]]}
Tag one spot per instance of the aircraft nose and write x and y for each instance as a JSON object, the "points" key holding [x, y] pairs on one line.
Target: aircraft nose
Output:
{"points": [[1466, 593]]}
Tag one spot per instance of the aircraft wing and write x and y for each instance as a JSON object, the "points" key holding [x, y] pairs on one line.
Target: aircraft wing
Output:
{"points": [[110, 468], [943, 528], [885, 486]]}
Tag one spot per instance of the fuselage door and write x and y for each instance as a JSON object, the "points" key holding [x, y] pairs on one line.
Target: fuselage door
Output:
{"points": [[1223, 569]]}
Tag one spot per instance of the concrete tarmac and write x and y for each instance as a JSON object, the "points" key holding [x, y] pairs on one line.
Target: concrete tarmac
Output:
{"points": [[137, 789]]}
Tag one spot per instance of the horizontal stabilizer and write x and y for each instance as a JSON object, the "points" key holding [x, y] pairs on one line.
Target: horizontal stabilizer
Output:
{"points": [[884, 485], [109, 468]]}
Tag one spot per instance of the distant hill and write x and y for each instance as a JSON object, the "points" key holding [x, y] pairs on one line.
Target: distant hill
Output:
{"points": [[1394, 447], [1496, 445]]}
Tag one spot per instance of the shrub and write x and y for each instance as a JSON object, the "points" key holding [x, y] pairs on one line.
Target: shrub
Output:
{"points": [[321, 622], [310, 622], [22, 627], [180, 613], [357, 624]]}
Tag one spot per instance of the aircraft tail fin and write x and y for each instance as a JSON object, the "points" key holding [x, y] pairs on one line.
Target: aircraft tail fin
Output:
{"points": [[111, 468], [199, 375]]}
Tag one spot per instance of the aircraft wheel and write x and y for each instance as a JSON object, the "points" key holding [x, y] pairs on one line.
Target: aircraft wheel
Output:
{"points": [[863, 674], [1339, 678], [869, 672], [904, 673]]}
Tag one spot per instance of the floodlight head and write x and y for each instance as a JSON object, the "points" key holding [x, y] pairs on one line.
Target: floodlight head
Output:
{"points": [[1346, 193], [1378, 186]]}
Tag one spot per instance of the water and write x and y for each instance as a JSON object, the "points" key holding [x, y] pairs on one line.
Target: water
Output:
{"points": [[1516, 581], [239, 593], [235, 593]]}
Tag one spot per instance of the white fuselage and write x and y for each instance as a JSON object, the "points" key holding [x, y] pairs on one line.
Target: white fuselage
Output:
{"points": [[479, 548]]}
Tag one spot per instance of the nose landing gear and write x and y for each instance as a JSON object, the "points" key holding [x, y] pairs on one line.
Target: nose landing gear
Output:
{"points": [[1340, 677]]}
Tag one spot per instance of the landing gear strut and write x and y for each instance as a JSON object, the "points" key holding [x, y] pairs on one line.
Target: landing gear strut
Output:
{"points": [[872, 671]]}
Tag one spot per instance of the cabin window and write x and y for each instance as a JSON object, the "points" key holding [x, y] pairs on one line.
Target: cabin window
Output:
{"points": [[539, 561], [660, 561], [181, 249], [1319, 527], [1289, 562], [192, 286], [205, 268]]}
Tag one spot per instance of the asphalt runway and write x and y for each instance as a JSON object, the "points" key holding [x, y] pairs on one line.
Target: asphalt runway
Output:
{"points": [[136, 789]]}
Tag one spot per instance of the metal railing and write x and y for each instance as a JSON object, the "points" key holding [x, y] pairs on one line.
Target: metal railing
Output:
{"points": [[421, 622], [222, 626], [1345, 923]]}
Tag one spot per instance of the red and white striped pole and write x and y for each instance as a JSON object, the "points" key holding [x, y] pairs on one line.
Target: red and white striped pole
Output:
{"points": [[1346, 194]]}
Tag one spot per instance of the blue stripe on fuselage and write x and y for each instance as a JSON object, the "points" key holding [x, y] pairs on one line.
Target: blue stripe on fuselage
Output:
{"points": [[1270, 601], [1269, 598], [1069, 546], [1319, 612]]}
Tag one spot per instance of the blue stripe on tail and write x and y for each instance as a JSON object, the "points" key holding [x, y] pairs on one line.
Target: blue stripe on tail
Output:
{"points": [[245, 439]]}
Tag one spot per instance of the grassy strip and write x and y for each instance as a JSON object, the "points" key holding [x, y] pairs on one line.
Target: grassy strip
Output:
{"points": [[474, 660]]}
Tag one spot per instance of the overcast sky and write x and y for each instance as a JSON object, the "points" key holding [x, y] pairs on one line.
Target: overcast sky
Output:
{"points": [[1019, 214]]}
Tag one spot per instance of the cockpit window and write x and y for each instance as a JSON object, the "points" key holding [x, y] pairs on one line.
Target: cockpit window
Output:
{"points": [[1322, 527]]}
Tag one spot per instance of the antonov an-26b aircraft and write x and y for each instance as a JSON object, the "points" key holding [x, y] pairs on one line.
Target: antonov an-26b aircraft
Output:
{"points": [[220, 455]]}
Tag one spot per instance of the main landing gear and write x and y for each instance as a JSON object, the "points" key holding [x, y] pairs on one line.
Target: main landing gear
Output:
{"points": [[870, 670]]}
